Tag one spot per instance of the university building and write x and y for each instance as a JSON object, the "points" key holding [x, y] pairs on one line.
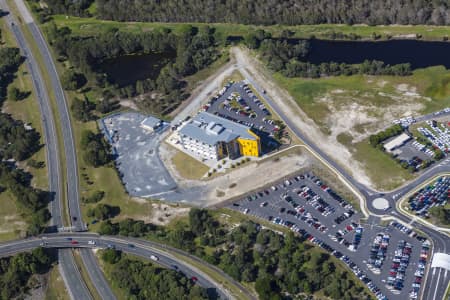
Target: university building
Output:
{"points": [[213, 137]]}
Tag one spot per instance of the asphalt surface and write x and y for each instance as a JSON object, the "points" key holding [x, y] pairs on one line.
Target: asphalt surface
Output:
{"points": [[136, 154], [269, 205], [96, 275], [218, 107], [72, 276], [66, 128], [166, 255]]}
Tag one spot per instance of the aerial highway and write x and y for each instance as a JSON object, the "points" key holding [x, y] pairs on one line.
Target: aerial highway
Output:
{"points": [[71, 275], [73, 279], [162, 254]]}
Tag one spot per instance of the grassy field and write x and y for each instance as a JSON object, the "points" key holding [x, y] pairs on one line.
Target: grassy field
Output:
{"points": [[373, 102], [432, 82], [12, 225], [86, 26], [56, 289], [188, 167], [378, 164]]}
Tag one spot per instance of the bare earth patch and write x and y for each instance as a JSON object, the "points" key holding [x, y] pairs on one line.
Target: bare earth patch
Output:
{"points": [[163, 214]]}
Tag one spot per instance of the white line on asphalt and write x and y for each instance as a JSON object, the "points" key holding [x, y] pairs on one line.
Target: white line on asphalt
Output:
{"points": [[435, 291]]}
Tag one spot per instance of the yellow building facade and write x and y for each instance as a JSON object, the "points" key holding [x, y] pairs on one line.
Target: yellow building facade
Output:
{"points": [[250, 147]]}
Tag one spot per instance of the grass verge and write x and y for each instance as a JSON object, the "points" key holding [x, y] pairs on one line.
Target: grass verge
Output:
{"points": [[56, 289], [188, 167], [12, 225]]}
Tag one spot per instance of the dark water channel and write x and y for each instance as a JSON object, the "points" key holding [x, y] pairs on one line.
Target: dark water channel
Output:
{"points": [[420, 54], [128, 69]]}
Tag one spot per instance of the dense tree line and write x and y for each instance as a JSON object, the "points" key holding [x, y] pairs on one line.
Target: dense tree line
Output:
{"points": [[96, 150], [376, 139], [144, 280], [103, 211], [269, 12], [290, 59], [10, 60], [16, 141], [16, 272], [68, 7], [281, 267], [190, 50]]}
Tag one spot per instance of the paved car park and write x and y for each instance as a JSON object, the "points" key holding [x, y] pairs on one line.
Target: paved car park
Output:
{"points": [[135, 150], [437, 193], [309, 207], [237, 102], [438, 134]]}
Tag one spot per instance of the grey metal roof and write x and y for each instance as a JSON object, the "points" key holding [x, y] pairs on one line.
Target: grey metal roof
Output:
{"points": [[211, 129], [151, 121]]}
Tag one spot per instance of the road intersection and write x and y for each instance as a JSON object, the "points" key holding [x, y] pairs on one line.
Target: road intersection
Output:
{"points": [[437, 278]]}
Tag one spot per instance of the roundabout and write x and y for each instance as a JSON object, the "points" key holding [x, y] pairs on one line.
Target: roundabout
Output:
{"points": [[380, 203]]}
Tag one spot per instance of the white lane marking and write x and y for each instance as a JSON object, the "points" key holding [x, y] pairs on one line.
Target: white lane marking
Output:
{"points": [[435, 291]]}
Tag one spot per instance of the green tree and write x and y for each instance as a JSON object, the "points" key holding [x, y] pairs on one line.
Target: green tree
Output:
{"points": [[111, 256], [72, 80]]}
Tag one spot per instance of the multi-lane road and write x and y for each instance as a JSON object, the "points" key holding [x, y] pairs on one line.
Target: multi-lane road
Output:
{"points": [[71, 275], [166, 256]]}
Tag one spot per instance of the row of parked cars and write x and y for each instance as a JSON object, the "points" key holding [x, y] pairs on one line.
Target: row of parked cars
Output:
{"points": [[400, 262], [420, 271], [314, 200], [378, 251], [255, 99], [355, 269], [407, 231], [340, 234], [438, 135], [437, 193], [302, 214]]}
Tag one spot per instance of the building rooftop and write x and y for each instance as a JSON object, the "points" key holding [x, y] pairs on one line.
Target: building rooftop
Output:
{"points": [[211, 129], [441, 260], [397, 141], [151, 122]]}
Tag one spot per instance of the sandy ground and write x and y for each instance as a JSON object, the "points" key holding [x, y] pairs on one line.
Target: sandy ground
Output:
{"points": [[161, 213]]}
